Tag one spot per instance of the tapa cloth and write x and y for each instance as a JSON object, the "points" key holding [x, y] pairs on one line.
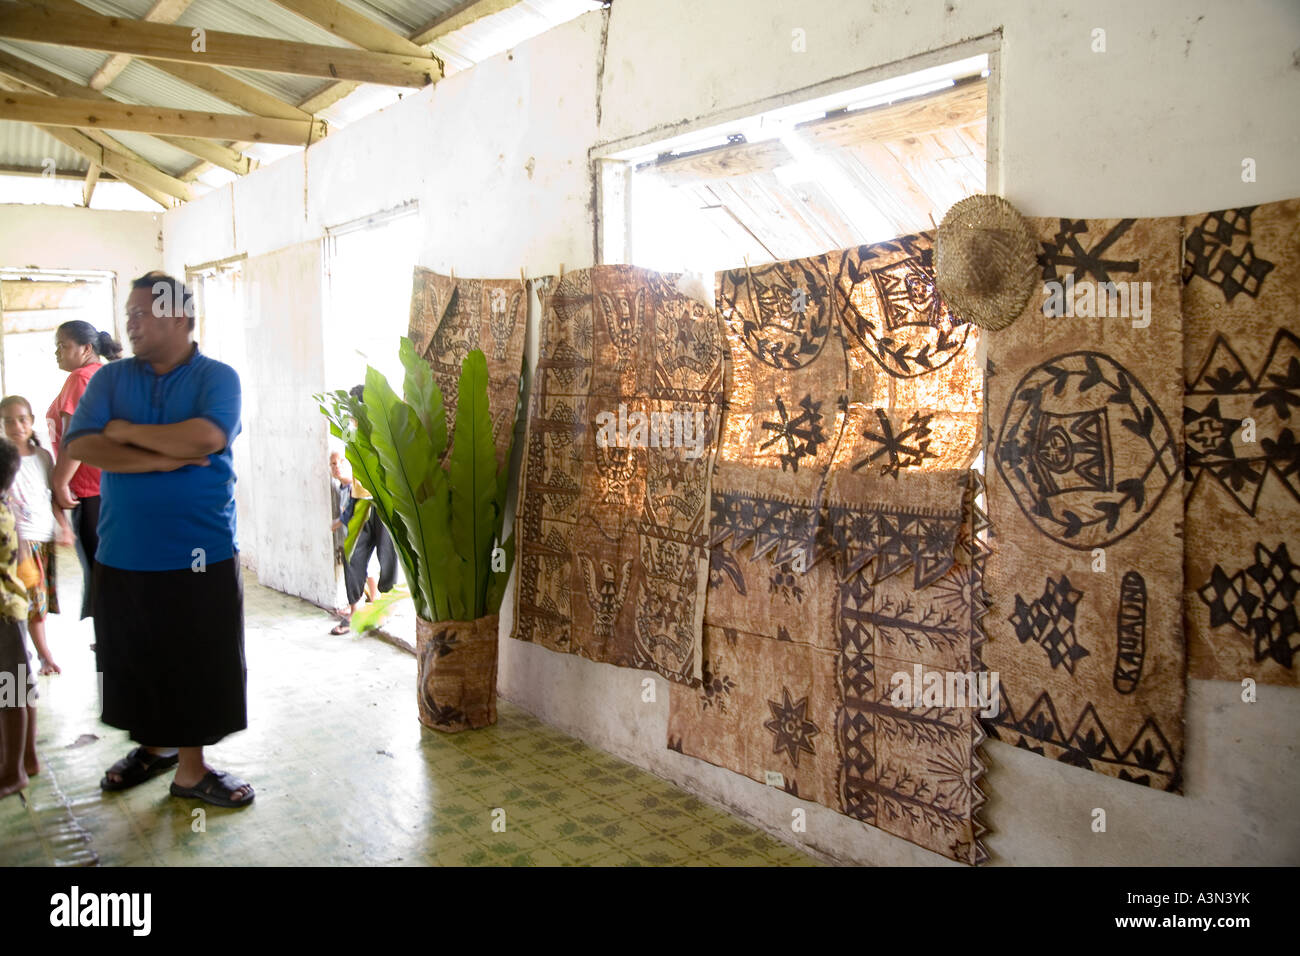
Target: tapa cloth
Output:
{"points": [[1085, 499], [452, 317], [614, 500], [845, 548], [1241, 329]]}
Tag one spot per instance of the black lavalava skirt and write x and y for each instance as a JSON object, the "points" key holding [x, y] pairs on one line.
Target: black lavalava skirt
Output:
{"points": [[170, 647]]}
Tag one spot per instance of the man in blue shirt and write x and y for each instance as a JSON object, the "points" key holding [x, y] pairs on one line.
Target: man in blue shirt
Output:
{"points": [[166, 588]]}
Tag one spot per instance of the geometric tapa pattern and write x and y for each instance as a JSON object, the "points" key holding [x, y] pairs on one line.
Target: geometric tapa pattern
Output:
{"points": [[1241, 303], [1084, 446]]}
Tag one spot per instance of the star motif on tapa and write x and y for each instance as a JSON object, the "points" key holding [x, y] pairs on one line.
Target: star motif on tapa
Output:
{"points": [[790, 724]]}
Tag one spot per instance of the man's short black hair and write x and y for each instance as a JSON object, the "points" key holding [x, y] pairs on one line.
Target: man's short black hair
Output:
{"points": [[169, 294], [10, 461]]}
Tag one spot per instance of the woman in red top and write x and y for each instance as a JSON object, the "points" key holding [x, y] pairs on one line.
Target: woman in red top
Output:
{"points": [[78, 349]]}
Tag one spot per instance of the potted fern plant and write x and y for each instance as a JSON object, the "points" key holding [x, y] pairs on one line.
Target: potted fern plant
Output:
{"points": [[445, 508]]}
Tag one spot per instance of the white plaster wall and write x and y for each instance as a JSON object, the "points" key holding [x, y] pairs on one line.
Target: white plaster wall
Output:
{"points": [[64, 237], [1157, 125], [287, 439]]}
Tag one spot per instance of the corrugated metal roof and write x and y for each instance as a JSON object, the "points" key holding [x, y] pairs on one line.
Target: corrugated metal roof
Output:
{"points": [[256, 18], [135, 9], [166, 157], [28, 147], [23, 145], [285, 86], [403, 16], [142, 82], [501, 31], [68, 62]]}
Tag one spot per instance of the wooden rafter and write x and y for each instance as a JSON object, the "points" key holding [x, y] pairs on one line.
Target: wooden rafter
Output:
{"points": [[225, 87], [356, 28], [88, 187], [109, 114], [439, 26], [158, 186], [39, 80], [38, 23], [163, 11], [113, 157]]}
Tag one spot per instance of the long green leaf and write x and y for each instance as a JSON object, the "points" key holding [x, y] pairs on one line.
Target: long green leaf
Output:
{"points": [[497, 583], [423, 394], [405, 455], [367, 470], [350, 421], [372, 615], [445, 565], [472, 471]]}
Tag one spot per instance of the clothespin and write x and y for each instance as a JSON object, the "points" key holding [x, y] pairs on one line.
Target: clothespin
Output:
{"points": [[453, 274], [561, 279], [522, 280]]}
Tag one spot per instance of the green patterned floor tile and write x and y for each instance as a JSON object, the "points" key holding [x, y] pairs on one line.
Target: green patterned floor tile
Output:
{"points": [[348, 776]]}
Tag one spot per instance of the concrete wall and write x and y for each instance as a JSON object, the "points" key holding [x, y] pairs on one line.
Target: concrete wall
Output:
{"points": [[497, 158], [63, 237]]}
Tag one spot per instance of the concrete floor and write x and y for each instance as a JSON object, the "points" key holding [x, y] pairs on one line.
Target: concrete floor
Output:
{"points": [[345, 774]]}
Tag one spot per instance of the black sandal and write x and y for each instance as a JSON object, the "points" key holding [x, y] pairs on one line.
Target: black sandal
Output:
{"points": [[137, 767], [217, 788]]}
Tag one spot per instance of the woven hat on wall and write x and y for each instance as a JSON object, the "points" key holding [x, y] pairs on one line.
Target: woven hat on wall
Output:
{"points": [[985, 261]]}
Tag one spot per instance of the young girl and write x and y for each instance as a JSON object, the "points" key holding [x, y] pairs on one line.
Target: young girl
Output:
{"points": [[17, 712], [37, 522]]}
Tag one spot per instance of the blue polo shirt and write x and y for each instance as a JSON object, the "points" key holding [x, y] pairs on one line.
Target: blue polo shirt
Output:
{"points": [[153, 521]]}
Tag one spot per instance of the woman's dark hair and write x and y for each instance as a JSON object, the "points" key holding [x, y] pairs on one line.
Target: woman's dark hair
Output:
{"points": [[83, 333], [9, 401], [10, 461]]}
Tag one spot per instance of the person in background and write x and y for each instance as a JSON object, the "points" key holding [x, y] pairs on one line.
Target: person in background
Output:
{"points": [[78, 348], [373, 541], [38, 523], [168, 595], [340, 498], [17, 711]]}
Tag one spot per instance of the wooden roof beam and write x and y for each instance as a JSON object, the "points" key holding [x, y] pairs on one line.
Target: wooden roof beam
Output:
{"points": [[151, 181], [356, 28], [88, 187], [223, 86], [109, 114], [37, 23], [40, 80], [163, 11]]}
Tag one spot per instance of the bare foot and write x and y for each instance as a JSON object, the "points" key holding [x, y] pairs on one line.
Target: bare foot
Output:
{"points": [[15, 785], [49, 667]]}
